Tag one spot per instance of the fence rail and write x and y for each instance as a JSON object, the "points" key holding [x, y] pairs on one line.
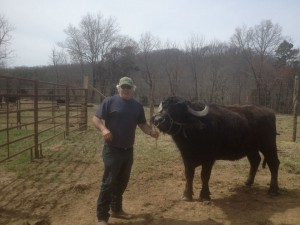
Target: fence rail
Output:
{"points": [[33, 112]]}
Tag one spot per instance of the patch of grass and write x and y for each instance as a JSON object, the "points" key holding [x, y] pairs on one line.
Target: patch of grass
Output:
{"points": [[152, 155], [291, 163], [18, 165]]}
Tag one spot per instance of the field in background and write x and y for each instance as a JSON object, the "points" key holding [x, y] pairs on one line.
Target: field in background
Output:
{"points": [[62, 187]]}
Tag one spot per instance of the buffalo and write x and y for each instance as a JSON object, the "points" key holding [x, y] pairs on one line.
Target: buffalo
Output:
{"points": [[205, 133], [13, 99]]}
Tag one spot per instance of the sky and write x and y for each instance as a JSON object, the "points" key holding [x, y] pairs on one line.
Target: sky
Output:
{"points": [[39, 24]]}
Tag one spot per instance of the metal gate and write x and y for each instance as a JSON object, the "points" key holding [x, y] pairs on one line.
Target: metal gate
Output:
{"points": [[33, 112]]}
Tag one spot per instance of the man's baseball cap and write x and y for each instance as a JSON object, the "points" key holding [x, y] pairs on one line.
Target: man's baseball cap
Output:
{"points": [[126, 81]]}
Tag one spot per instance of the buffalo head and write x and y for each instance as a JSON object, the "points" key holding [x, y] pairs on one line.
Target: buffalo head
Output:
{"points": [[173, 113]]}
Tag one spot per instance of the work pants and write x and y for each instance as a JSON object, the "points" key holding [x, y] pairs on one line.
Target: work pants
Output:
{"points": [[117, 169]]}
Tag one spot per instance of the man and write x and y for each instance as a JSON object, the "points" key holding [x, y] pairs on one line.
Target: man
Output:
{"points": [[121, 114]]}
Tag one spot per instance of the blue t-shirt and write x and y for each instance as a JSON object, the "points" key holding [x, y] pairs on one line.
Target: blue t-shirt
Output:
{"points": [[121, 118]]}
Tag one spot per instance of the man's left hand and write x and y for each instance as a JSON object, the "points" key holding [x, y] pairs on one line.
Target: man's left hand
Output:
{"points": [[154, 134]]}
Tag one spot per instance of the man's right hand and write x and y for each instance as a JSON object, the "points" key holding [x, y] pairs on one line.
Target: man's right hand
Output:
{"points": [[107, 135]]}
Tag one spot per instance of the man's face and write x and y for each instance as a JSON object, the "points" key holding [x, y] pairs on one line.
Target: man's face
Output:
{"points": [[125, 91]]}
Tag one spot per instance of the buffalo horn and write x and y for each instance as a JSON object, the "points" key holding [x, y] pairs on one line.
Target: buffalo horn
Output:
{"points": [[159, 109], [198, 113]]}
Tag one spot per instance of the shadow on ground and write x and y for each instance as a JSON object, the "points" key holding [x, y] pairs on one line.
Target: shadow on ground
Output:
{"points": [[248, 204], [146, 219]]}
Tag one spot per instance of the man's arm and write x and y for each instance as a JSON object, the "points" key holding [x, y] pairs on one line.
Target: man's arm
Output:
{"points": [[98, 123], [147, 129]]}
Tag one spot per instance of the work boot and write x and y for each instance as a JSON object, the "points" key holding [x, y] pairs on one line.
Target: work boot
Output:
{"points": [[121, 215]]}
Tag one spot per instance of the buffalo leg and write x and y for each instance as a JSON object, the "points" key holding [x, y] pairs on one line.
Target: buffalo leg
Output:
{"points": [[254, 159], [189, 176], [273, 164], [271, 157], [205, 176]]}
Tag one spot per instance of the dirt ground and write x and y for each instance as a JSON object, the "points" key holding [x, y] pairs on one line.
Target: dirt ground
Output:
{"points": [[62, 188]]}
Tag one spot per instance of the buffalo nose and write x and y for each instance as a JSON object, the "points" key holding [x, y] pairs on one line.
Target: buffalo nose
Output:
{"points": [[157, 119]]}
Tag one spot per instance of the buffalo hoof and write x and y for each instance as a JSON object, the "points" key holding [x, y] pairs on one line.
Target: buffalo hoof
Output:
{"points": [[205, 199], [249, 183], [187, 199], [273, 191], [204, 195]]}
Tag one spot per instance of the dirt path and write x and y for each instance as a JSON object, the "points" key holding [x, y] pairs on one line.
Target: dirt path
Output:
{"points": [[62, 188]]}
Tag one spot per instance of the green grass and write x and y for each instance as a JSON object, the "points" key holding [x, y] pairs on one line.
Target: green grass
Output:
{"points": [[289, 156], [18, 165], [21, 145], [26, 128]]}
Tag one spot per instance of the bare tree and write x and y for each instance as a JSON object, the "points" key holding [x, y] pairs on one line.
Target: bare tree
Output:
{"points": [[257, 45], [287, 66], [148, 44], [5, 39], [239, 84], [118, 62], [74, 46], [195, 52], [172, 65], [91, 41], [216, 74], [57, 58]]}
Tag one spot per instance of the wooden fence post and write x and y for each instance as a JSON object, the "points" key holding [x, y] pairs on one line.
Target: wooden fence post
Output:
{"points": [[67, 110], [295, 107], [36, 121], [83, 111]]}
